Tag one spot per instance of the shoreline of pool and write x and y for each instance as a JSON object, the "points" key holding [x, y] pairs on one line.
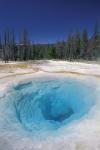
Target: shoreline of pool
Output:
{"points": [[13, 73]]}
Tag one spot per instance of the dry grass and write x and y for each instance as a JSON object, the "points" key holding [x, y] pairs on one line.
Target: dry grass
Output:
{"points": [[12, 67], [17, 65]]}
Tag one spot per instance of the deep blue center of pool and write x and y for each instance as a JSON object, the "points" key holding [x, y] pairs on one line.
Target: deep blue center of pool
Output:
{"points": [[51, 103]]}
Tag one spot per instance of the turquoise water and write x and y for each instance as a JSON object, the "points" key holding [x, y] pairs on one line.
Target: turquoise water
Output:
{"points": [[45, 104]]}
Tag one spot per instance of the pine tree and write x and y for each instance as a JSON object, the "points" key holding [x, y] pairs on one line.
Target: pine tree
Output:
{"points": [[94, 45], [78, 45], [24, 46], [84, 44]]}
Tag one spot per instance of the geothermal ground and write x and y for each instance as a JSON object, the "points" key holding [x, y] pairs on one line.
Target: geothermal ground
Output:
{"points": [[73, 125]]}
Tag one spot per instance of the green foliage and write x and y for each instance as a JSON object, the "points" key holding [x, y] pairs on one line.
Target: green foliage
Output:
{"points": [[77, 46]]}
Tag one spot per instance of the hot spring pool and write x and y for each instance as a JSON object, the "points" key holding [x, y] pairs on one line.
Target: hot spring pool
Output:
{"points": [[43, 105]]}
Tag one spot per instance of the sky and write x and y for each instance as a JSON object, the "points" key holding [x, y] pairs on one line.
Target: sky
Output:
{"points": [[48, 21]]}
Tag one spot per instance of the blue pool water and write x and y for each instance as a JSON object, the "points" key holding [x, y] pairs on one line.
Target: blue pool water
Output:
{"points": [[45, 104]]}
